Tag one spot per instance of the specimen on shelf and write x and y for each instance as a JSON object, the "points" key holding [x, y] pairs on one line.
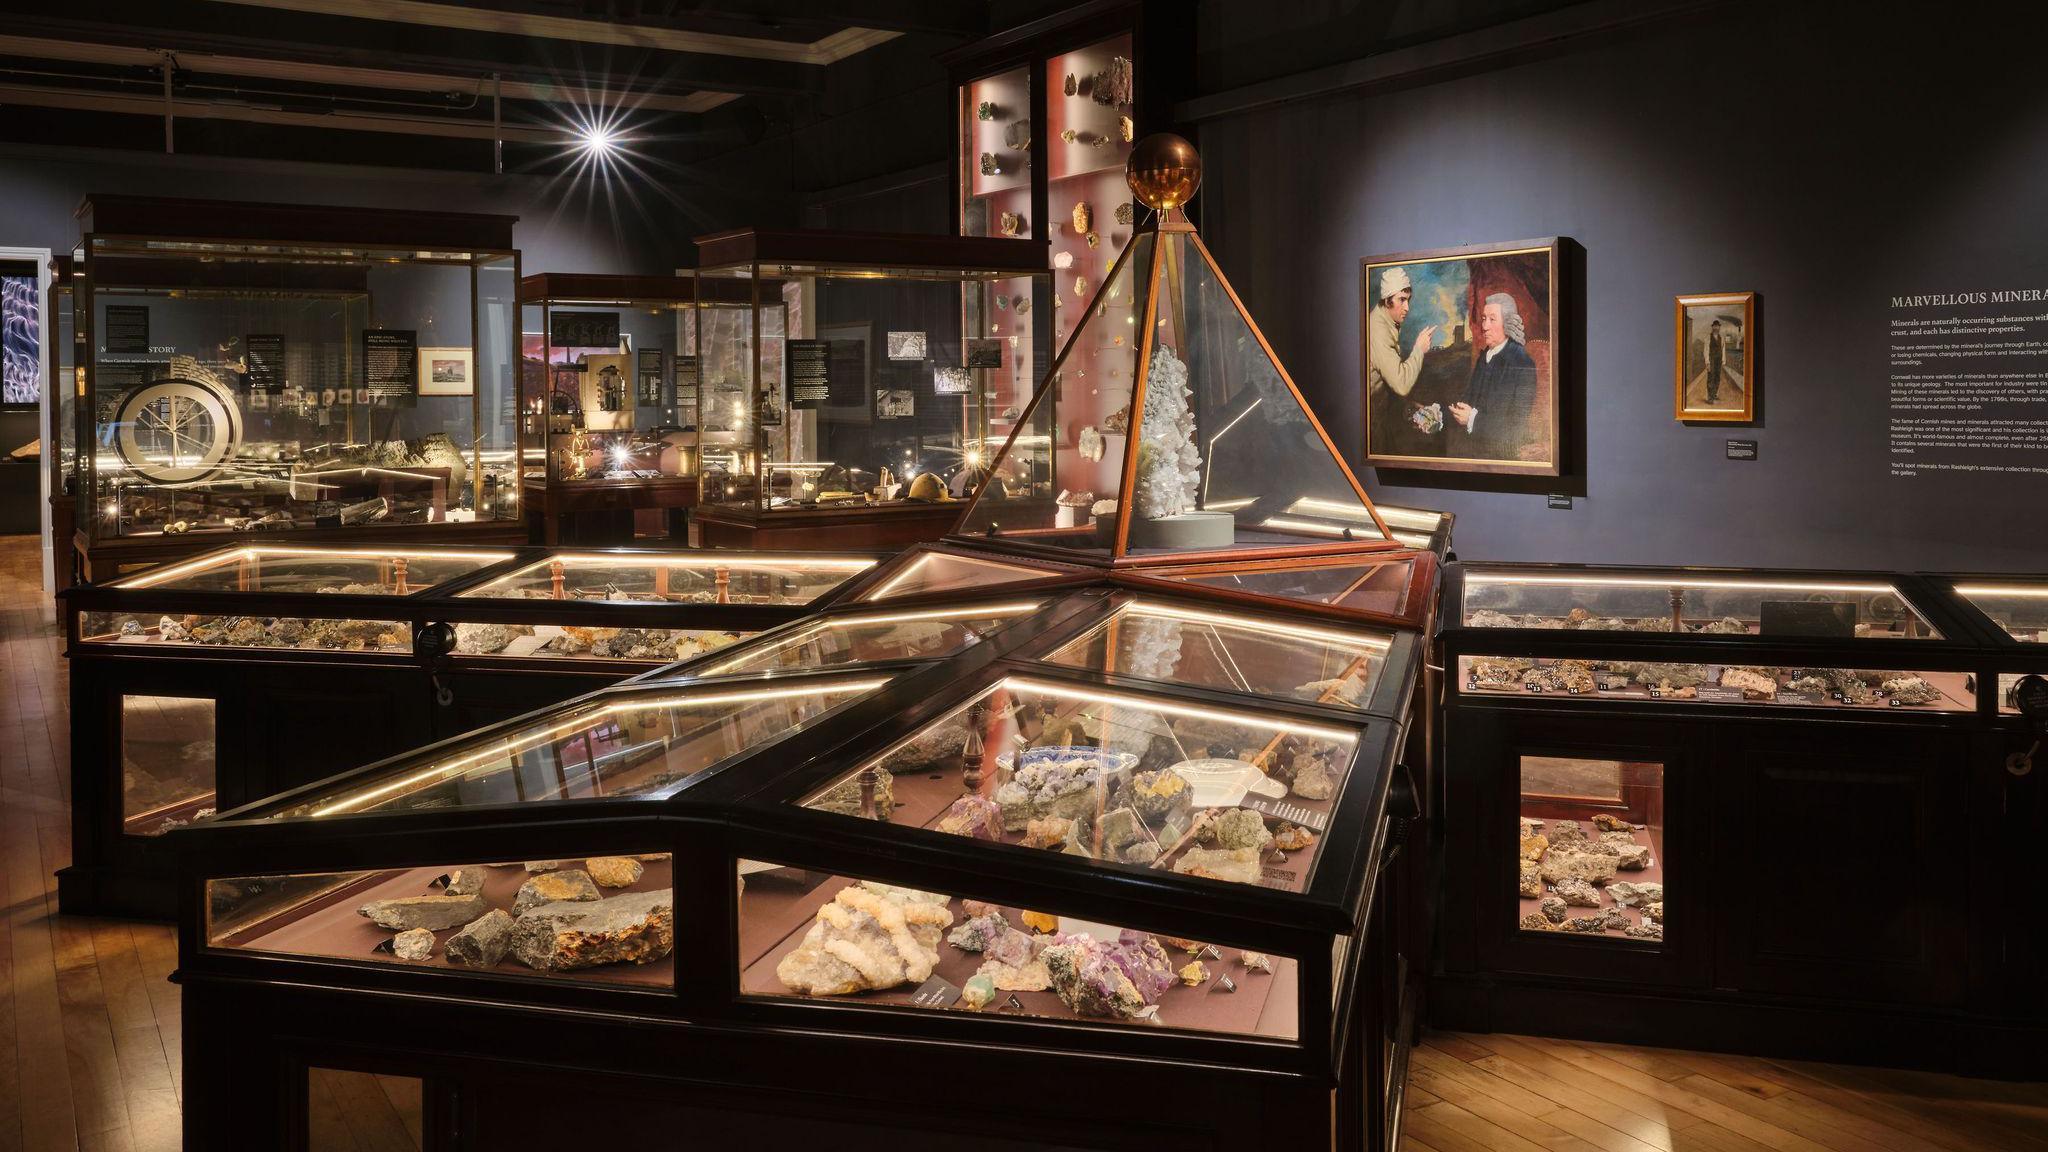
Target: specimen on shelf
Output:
{"points": [[1084, 216], [614, 871], [1578, 893], [1010, 224], [413, 944], [483, 942], [1238, 865], [635, 928], [1112, 85], [972, 815], [1117, 980], [573, 884], [987, 110], [844, 797], [1552, 908], [1169, 470], [404, 913], [1017, 134], [869, 937]]}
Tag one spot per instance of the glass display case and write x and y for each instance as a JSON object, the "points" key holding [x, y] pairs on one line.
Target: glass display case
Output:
{"points": [[868, 388], [2012, 613], [609, 404], [194, 681], [65, 382], [259, 368]]}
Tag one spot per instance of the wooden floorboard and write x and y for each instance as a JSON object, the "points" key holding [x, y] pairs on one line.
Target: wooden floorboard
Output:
{"points": [[90, 1023]]}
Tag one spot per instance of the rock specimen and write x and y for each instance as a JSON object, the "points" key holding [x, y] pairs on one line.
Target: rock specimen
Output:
{"points": [[1530, 881], [1169, 464], [1633, 857], [1292, 838], [1532, 922], [637, 928], [1910, 690], [1191, 975], [977, 992], [976, 932], [1237, 828], [1238, 865], [614, 871], [867, 939], [1083, 217], [553, 887], [1256, 961], [1608, 823], [1051, 832], [464, 882], [1563, 832], [1561, 676], [1553, 908], [1058, 785], [1755, 683], [1725, 626], [1631, 895], [1312, 781], [1584, 924], [1528, 827], [413, 944], [1163, 798], [1578, 893], [434, 913], [1499, 671], [1534, 846], [1040, 921], [844, 797], [1559, 865], [483, 942], [1115, 980], [1654, 910], [1645, 931], [542, 865], [974, 816], [1617, 837], [1617, 919]]}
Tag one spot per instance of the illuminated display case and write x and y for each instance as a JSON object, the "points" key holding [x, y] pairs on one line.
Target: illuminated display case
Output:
{"points": [[1630, 751], [1008, 810], [859, 408], [610, 405], [335, 373], [194, 685]]}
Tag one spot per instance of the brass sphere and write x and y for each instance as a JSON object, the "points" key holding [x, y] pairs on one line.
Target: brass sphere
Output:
{"points": [[1164, 170]]}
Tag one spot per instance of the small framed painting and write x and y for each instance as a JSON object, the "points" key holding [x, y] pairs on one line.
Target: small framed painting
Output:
{"points": [[447, 372], [1715, 358]]}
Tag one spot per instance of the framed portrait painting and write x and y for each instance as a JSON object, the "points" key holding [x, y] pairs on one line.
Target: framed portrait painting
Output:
{"points": [[1462, 360], [1715, 358]]}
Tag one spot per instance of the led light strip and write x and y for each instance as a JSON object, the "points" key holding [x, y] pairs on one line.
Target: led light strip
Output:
{"points": [[1145, 704], [883, 592], [587, 720], [743, 659], [1649, 582], [694, 562], [2031, 592], [1250, 624], [251, 552]]}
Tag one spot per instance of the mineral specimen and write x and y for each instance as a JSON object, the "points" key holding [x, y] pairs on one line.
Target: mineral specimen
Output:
{"points": [[1583, 924], [1531, 922], [1238, 828], [1113, 84], [1119, 829], [542, 865], [1559, 865], [1607, 823], [972, 815], [1344, 690], [413, 944], [464, 882], [975, 933], [1633, 858], [1051, 832], [1052, 782], [1669, 677], [1084, 216], [1117, 980], [1654, 910], [1191, 975], [1644, 931], [1238, 865], [483, 942], [1616, 919], [844, 797], [555, 887], [1312, 781], [1040, 921], [1256, 961], [1528, 826], [1169, 465], [1563, 832], [614, 871], [1725, 626], [1499, 671], [1553, 908], [1755, 683], [1533, 846], [1293, 838], [977, 992], [1910, 690], [1530, 881], [432, 912], [1630, 895], [1162, 797], [1578, 893], [1617, 838], [636, 928], [866, 940], [483, 639]]}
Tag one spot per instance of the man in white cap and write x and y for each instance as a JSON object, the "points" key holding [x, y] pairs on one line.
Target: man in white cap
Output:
{"points": [[1389, 376]]}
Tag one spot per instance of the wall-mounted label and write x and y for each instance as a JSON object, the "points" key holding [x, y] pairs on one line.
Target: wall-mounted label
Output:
{"points": [[1742, 449], [126, 328], [391, 364], [686, 381], [263, 364], [810, 373], [583, 329], [1558, 500]]}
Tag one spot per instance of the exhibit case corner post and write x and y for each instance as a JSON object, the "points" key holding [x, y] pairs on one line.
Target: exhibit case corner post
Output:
{"points": [[1006, 809], [848, 380], [1652, 735], [609, 405], [62, 380], [337, 373], [197, 685]]}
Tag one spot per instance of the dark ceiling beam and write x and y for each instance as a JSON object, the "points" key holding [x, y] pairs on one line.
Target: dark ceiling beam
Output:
{"points": [[966, 19], [345, 42]]}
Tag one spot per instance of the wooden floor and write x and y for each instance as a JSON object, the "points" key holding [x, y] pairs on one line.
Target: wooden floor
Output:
{"points": [[89, 1027]]}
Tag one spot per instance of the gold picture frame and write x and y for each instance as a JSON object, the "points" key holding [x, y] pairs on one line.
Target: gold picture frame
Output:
{"points": [[1715, 353]]}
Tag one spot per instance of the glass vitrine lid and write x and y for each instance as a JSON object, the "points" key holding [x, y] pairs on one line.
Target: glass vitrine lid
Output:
{"points": [[1371, 582], [634, 742], [1167, 425], [1113, 777], [1690, 603], [704, 577], [871, 638], [2020, 609], [927, 572], [1236, 652], [357, 571]]}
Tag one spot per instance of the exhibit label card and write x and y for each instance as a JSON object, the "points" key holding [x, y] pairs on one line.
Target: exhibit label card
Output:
{"points": [[391, 365], [583, 329], [127, 328], [810, 373], [264, 371]]}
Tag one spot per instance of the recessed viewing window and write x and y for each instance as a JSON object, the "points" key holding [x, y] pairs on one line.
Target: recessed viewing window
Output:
{"points": [[1590, 847]]}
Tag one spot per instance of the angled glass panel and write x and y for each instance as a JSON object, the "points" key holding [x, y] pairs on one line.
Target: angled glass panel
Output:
{"points": [[1057, 481], [1687, 603], [1372, 583], [944, 571], [1235, 652], [674, 578], [2019, 610], [640, 742], [1113, 777], [873, 637], [357, 571]]}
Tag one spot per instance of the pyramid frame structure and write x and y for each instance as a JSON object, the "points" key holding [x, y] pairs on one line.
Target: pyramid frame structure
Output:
{"points": [[1150, 245]]}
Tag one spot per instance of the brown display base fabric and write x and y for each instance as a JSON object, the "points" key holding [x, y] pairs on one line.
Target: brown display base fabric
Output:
{"points": [[330, 925], [778, 907]]}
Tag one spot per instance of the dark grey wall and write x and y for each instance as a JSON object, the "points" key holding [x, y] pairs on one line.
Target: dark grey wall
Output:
{"points": [[1826, 156]]}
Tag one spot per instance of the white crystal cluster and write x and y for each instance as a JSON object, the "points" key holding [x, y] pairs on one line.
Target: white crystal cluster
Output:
{"points": [[1169, 465], [1155, 648]]}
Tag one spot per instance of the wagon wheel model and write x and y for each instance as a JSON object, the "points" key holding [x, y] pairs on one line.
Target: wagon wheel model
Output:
{"points": [[176, 430]]}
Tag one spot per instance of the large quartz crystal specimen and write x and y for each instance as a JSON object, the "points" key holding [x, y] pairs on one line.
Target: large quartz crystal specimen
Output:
{"points": [[636, 928], [1116, 980], [553, 887], [434, 913], [1169, 472], [484, 942], [867, 938]]}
